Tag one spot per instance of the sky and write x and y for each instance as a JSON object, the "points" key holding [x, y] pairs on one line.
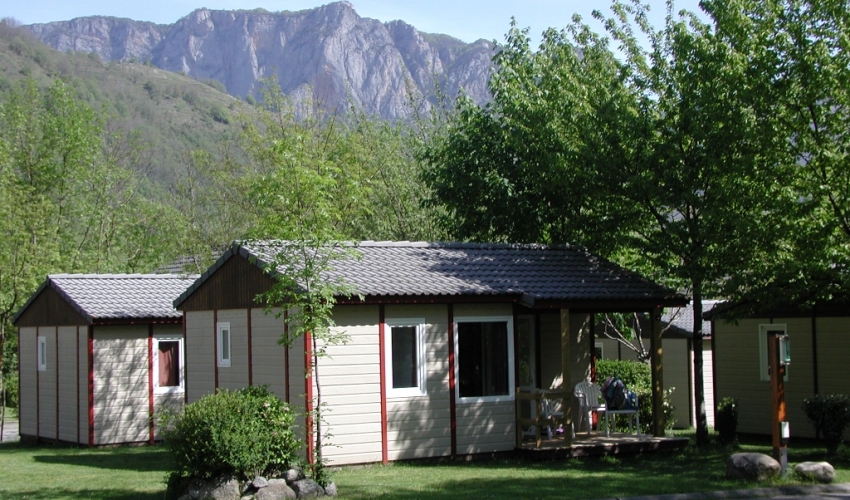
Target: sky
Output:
{"points": [[468, 20]]}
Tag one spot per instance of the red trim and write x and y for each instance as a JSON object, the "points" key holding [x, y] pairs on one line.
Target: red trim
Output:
{"points": [[250, 353], [150, 380], [91, 384], [382, 360], [137, 321], [56, 366], [308, 394], [77, 348], [183, 367], [215, 347], [37, 389], [452, 409], [286, 355]]}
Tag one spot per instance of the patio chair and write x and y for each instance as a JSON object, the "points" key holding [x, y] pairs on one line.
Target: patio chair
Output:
{"points": [[590, 400], [550, 412]]}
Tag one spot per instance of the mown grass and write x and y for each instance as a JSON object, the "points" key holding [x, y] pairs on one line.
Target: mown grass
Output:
{"points": [[64, 472]]}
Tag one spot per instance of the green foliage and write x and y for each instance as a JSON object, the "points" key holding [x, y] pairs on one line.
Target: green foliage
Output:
{"points": [[220, 114], [726, 420], [10, 386], [215, 84], [830, 414], [244, 432], [638, 378]]}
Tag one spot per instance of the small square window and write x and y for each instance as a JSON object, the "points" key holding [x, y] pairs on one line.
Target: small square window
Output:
{"points": [[223, 339], [405, 357], [42, 354], [168, 364], [764, 330]]}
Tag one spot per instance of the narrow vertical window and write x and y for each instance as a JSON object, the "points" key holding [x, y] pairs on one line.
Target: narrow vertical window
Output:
{"points": [[405, 357], [168, 364], [42, 354], [764, 363], [223, 339]]}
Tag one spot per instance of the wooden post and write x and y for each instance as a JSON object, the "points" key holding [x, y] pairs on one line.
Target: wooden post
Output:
{"points": [[518, 407], [777, 398], [566, 384], [656, 352]]}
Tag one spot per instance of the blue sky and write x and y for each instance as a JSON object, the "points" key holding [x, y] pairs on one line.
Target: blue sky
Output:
{"points": [[468, 20]]}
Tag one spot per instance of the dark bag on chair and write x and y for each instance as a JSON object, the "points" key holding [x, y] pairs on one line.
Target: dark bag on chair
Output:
{"points": [[615, 395]]}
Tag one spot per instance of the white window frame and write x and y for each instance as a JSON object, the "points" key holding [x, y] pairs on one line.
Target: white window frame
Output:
{"points": [[42, 353], [601, 346], [181, 386], [764, 374], [421, 390], [511, 375], [221, 361]]}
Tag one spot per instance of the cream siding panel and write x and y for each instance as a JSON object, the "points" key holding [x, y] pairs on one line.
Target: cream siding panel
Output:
{"points": [[420, 426], [236, 375], [28, 365], [68, 423], [609, 348], [485, 427], [200, 354], [269, 357], [83, 379], [708, 380], [737, 358], [121, 388], [353, 445], [47, 387], [675, 361]]}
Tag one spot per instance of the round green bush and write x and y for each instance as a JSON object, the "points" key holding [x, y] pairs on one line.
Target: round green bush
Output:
{"points": [[726, 420], [245, 432], [830, 414]]}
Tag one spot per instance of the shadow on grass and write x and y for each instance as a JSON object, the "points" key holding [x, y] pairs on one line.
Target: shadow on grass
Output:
{"points": [[134, 460], [63, 493]]}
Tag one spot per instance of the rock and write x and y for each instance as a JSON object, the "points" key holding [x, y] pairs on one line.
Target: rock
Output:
{"points": [[330, 490], [307, 488], [293, 474], [752, 467], [196, 487], [276, 490], [247, 497], [260, 482], [821, 472], [222, 488]]}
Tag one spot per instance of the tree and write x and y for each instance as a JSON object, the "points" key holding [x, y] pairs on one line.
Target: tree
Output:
{"points": [[303, 193], [663, 158]]}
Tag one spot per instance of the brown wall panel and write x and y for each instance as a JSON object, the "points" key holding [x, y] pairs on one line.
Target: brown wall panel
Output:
{"points": [[232, 286], [50, 309]]}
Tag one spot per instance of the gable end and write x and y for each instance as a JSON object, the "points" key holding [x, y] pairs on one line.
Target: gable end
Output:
{"points": [[234, 285], [49, 308]]}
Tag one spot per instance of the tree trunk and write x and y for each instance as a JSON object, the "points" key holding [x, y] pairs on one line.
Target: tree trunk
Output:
{"points": [[2, 378], [699, 389]]}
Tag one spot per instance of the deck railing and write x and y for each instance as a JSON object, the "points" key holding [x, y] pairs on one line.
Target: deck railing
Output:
{"points": [[542, 416]]}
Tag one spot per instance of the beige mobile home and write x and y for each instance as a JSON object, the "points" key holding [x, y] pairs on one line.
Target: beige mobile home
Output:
{"points": [[819, 356], [99, 355], [440, 339]]}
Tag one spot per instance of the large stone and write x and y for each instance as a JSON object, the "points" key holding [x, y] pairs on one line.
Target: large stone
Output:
{"points": [[222, 488], [260, 482], [196, 488], [330, 490], [276, 490], [752, 467], [293, 474], [821, 472], [307, 488]]}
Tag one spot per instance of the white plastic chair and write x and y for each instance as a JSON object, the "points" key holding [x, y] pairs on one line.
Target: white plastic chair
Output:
{"points": [[590, 400], [550, 412]]}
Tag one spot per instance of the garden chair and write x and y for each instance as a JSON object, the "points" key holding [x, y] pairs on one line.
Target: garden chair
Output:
{"points": [[590, 400]]}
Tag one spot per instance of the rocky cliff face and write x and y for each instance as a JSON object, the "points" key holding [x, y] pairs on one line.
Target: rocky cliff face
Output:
{"points": [[329, 51]]}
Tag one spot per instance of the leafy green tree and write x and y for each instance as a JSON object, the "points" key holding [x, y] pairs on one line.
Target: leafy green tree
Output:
{"points": [[663, 156]]}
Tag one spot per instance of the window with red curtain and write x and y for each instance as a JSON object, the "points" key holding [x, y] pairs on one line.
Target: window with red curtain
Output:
{"points": [[169, 363]]}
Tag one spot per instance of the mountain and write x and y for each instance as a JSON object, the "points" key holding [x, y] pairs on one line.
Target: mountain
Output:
{"points": [[330, 51]]}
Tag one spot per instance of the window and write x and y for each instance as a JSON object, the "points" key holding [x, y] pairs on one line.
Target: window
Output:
{"points": [[168, 364], [484, 359], [764, 372], [404, 343], [223, 339], [42, 354], [598, 351]]}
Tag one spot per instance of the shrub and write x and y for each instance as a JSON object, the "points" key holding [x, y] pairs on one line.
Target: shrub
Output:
{"points": [[830, 414], [10, 386], [638, 378], [726, 420], [244, 432]]}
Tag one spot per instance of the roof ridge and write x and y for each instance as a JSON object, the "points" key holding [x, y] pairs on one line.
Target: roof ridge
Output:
{"points": [[121, 276]]}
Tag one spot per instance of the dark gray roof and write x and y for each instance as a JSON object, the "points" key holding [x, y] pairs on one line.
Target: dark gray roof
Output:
{"points": [[682, 319], [118, 296], [535, 272]]}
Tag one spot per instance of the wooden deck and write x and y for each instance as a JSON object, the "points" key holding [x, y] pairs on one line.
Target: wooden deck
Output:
{"points": [[597, 444]]}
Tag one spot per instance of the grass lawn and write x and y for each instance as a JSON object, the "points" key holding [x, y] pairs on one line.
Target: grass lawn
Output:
{"points": [[46, 471]]}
